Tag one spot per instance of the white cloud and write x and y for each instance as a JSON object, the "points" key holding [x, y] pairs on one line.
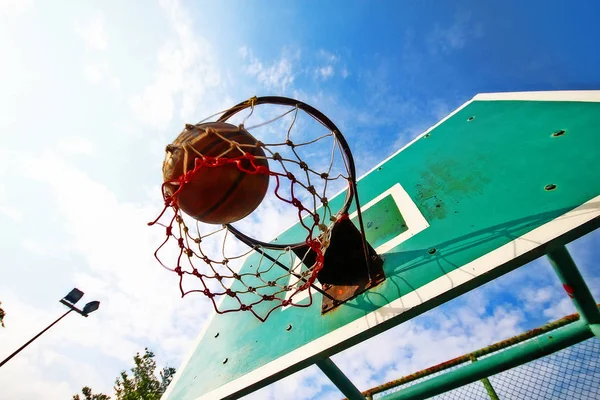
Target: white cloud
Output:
{"points": [[278, 75], [244, 52], [325, 72], [310, 383], [445, 39], [14, 8], [8, 206], [327, 56], [122, 229], [186, 73], [329, 61], [10, 211], [95, 72], [115, 247], [92, 32], [560, 309], [76, 145], [534, 298]]}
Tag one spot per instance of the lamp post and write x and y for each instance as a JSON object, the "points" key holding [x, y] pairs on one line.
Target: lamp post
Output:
{"points": [[69, 300]]}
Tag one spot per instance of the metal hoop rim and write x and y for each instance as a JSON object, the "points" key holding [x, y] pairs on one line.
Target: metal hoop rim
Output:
{"points": [[320, 117]]}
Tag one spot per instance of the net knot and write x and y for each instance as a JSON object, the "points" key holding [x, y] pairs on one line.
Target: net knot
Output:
{"points": [[324, 175], [290, 143], [291, 177], [252, 101], [277, 157], [303, 165], [230, 293], [180, 243]]}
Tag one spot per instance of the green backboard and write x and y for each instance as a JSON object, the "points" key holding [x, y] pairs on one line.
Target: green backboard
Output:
{"points": [[489, 188]]}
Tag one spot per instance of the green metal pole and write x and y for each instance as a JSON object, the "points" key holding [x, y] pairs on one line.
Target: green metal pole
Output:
{"points": [[339, 379], [496, 363], [575, 286], [487, 384]]}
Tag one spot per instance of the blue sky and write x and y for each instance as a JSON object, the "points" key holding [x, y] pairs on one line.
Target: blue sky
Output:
{"points": [[92, 92]]}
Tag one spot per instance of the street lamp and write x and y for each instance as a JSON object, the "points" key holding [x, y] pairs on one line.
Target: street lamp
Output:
{"points": [[69, 300]]}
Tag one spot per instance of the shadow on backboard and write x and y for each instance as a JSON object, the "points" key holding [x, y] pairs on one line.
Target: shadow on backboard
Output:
{"points": [[409, 270]]}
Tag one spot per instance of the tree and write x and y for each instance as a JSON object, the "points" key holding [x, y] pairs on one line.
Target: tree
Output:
{"points": [[142, 384], [2, 315], [87, 392]]}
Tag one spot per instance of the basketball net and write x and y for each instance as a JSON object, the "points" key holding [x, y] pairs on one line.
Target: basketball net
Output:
{"points": [[207, 258]]}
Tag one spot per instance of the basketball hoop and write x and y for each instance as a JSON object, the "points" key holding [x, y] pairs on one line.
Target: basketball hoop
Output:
{"points": [[202, 173]]}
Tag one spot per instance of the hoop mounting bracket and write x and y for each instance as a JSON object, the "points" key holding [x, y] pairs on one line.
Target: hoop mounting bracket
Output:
{"points": [[345, 273]]}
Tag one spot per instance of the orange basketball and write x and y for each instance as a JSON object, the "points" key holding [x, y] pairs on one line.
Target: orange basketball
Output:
{"points": [[215, 195]]}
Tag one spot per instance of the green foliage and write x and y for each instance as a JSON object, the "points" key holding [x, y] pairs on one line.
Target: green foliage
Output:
{"points": [[2, 314], [87, 393], [140, 384], [143, 384]]}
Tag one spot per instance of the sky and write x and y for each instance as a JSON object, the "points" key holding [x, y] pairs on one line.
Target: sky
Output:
{"points": [[91, 92]]}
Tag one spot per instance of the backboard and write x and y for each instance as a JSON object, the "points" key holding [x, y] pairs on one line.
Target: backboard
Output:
{"points": [[489, 188]]}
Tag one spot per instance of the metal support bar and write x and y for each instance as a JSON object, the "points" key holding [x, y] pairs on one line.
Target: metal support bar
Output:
{"points": [[339, 379], [575, 285], [487, 385], [497, 362]]}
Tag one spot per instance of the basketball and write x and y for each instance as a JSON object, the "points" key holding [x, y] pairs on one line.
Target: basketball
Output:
{"points": [[216, 194]]}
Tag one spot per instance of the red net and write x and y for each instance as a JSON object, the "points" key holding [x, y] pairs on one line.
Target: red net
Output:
{"points": [[276, 278]]}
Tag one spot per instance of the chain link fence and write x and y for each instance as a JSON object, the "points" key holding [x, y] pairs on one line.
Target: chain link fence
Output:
{"points": [[571, 373]]}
